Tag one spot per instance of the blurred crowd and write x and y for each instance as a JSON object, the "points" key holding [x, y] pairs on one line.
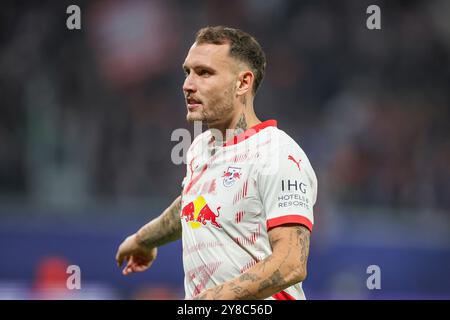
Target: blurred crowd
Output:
{"points": [[86, 115]]}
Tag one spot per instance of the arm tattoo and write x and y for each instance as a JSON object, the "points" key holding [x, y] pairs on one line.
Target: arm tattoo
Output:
{"points": [[241, 292], [303, 242], [164, 229], [217, 290], [285, 267], [276, 280], [301, 246], [249, 277]]}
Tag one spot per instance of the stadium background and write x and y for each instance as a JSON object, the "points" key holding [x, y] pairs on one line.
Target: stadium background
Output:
{"points": [[86, 118]]}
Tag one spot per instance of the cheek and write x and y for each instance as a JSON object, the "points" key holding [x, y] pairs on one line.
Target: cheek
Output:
{"points": [[223, 93], [209, 94], [216, 93]]}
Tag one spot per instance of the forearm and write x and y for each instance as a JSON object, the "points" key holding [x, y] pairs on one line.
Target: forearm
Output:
{"points": [[163, 229], [263, 280], [283, 268]]}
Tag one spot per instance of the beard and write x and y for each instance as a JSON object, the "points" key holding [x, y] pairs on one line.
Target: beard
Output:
{"points": [[214, 110]]}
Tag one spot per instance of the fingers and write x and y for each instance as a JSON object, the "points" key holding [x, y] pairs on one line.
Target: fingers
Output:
{"points": [[135, 266], [128, 268], [140, 268]]}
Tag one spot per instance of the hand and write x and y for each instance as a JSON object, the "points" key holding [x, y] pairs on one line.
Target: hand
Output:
{"points": [[138, 257]]}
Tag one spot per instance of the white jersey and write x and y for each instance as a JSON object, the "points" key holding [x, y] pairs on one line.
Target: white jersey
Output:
{"points": [[233, 194]]}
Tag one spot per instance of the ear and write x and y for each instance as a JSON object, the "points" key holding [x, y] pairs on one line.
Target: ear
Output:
{"points": [[244, 83]]}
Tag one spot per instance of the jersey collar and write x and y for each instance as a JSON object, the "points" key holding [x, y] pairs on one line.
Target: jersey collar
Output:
{"points": [[250, 132]]}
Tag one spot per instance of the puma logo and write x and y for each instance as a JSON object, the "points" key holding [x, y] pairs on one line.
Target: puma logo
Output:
{"points": [[296, 162]]}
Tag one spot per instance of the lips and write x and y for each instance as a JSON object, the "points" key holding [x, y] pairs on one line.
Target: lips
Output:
{"points": [[193, 103]]}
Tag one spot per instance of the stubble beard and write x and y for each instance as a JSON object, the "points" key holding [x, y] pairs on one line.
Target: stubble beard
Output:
{"points": [[214, 111]]}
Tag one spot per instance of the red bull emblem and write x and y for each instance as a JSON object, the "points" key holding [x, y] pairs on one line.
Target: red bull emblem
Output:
{"points": [[231, 176], [198, 213]]}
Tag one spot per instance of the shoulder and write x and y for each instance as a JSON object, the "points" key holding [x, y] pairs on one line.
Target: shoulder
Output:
{"points": [[279, 141], [282, 150], [200, 142]]}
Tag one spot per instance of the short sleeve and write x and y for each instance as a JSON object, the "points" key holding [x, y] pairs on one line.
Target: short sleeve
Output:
{"points": [[289, 188]]}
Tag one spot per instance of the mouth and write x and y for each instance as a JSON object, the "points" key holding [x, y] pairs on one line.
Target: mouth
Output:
{"points": [[193, 103]]}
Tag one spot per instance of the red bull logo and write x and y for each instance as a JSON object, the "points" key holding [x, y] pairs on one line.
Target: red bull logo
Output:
{"points": [[231, 176], [198, 213]]}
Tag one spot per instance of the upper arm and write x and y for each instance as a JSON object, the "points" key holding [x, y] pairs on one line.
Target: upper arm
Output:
{"points": [[288, 185], [290, 244], [176, 207]]}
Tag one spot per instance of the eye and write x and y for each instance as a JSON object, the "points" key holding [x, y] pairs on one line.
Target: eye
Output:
{"points": [[186, 73], [204, 73]]}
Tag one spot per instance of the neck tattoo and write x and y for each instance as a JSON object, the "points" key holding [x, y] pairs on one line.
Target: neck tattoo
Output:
{"points": [[241, 126]]}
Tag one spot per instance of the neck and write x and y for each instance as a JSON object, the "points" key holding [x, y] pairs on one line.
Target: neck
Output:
{"points": [[241, 120]]}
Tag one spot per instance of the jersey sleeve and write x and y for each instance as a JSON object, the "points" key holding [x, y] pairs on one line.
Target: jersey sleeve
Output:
{"points": [[289, 188]]}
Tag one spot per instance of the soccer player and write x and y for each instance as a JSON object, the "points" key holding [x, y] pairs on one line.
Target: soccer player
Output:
{"points": [[246, 209]]}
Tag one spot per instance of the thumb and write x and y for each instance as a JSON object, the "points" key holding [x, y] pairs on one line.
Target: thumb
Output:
{"points": [[120, 257]]}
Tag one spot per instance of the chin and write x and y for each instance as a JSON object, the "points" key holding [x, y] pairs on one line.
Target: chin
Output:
{"points": [[191, 117]]}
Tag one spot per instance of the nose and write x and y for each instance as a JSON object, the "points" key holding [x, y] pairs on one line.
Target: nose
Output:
{"points": [[189, 85]]}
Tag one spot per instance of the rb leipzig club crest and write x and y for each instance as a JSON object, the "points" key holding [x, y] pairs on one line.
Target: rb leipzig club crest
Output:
{"points": [[231, 176]]}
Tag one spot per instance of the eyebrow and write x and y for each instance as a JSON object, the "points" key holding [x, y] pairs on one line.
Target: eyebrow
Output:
{"points": [[184, 66]]}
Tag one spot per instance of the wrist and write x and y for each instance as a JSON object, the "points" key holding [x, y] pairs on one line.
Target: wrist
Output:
{"points": [[141, 241]]}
